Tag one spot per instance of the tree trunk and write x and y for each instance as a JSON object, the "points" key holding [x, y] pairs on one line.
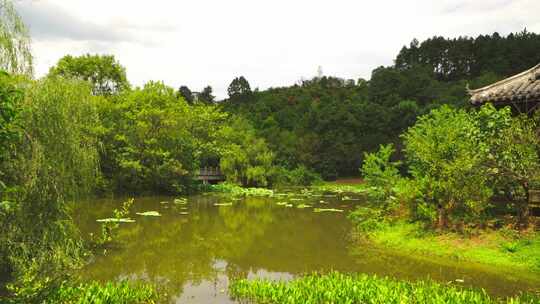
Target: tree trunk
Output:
{"points": [[523, 216], [443, 218]]}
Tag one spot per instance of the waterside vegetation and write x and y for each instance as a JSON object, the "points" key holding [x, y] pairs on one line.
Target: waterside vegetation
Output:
{"points": [[83, 130], [336, 287]]}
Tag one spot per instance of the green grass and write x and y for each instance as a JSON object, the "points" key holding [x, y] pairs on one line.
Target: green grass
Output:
{"points": [[109, 293], [360, 288], [489, 247]]}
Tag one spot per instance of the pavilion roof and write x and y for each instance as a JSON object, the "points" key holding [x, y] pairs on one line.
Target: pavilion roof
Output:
{"points": [[523, 87]]}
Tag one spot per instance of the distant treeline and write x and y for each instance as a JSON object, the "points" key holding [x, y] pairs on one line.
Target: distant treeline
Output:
{"points": [[326, 123]]}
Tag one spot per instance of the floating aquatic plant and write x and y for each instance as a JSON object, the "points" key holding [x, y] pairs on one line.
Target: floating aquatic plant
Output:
{"points": [[302, 206], [149, 213], [327, 210], [116, 220], [180, 201], [223, 204]]}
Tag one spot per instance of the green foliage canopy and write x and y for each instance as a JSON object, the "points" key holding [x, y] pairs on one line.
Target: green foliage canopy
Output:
{"points": [[104, 72]]}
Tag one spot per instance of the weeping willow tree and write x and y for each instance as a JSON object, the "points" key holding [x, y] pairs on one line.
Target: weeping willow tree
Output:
{"points": [[53, 162], [15, 54]]}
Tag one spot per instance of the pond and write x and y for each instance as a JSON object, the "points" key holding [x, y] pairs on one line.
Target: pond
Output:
{"points": [[193, 250]]}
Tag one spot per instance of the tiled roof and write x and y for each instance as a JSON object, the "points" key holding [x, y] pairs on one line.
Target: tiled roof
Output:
{"points": [[522, 87]]}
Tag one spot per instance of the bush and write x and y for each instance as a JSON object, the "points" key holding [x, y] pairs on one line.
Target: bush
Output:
{"points": [[368, 219], [300, 176], [381, 175]]}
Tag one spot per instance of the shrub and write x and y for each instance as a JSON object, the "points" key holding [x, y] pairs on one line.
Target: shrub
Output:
{"points": [[300, 176], [381, 175]]}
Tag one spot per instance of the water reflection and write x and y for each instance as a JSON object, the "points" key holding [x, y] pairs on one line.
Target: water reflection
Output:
{"points": [[192, 257]]}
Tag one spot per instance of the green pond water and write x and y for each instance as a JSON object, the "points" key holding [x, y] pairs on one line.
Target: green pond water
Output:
{"points": [[193, 251]]}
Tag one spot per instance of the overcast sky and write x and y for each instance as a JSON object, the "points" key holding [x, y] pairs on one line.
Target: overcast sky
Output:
{"points": [[272, 43]]}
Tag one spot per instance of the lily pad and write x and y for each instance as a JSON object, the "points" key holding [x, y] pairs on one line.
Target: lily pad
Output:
{"points": [[282, 203], [164, 202], [180, 201], [149, 213], [184, 213], [223, 204], [116, 220], [302, 206], [327, 210]]}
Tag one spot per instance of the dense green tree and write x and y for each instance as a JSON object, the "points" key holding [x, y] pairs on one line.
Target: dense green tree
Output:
{"points": [[512, 159], [186, 93], [239, 89], [148, 146], [15, 54], [446, 155], [104, 72], [246, 160], [206, 95], [468, 58]]}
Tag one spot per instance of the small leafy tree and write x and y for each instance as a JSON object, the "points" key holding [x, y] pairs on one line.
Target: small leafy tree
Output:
{"points": [[104, 72], [380, 173], [445, 151], [378, 170]]}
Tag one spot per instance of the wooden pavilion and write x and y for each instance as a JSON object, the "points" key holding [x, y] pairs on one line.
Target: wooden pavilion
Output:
{"points": [[521, 91]]}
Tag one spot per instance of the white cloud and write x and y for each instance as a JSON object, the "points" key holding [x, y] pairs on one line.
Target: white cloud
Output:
{"points": [[271, 43]]}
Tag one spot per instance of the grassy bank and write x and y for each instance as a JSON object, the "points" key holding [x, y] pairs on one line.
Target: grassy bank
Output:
{"points": [[504, 248], [342, 288]]}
